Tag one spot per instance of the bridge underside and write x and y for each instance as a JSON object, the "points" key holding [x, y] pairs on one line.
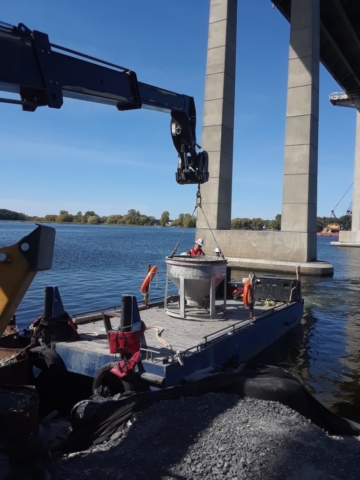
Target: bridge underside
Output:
{"points": [[339, 39]]}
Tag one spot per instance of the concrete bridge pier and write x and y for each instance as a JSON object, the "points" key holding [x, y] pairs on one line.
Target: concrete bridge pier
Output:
{"points": [[296, 243], [299, 203], [352, 238], [218, 121]]}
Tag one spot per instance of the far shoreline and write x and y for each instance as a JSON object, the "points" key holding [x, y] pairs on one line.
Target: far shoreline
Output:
{"points": [[91, 224]]}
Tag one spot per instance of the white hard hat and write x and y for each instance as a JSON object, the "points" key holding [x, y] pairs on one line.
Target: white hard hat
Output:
{"points": [[217, 250], [199, 241]]}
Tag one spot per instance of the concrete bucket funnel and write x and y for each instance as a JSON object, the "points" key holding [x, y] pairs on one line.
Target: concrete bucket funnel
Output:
{"points": [[196, 279]]}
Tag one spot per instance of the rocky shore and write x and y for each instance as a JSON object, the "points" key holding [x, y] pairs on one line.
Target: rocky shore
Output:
{"points": [[217, 436]]}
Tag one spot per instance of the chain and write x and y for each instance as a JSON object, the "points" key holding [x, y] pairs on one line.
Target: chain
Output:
{"points": [[198, 204], [178, 243]]}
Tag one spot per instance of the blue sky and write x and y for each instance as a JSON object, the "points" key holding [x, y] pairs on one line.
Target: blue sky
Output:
{"points": [[91, 157]]}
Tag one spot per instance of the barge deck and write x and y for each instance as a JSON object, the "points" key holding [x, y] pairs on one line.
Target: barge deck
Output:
{"points": [[174, 347]]}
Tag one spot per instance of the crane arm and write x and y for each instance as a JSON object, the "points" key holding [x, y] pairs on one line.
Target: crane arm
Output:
{"points": [[43, 74]]}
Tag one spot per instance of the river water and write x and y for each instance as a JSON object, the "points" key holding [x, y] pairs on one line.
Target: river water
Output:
{"points": [[94, 265]]}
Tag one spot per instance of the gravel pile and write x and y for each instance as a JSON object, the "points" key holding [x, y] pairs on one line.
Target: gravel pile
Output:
{"points": [[217, 436]]}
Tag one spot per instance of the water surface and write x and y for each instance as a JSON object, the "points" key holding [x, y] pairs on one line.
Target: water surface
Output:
{"points": [[94, 265]]}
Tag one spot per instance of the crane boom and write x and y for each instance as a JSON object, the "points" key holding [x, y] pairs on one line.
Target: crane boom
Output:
{"points": [[43, 74]]}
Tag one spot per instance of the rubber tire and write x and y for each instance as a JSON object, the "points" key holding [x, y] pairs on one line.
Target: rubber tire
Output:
{"points": [[107, 384]]}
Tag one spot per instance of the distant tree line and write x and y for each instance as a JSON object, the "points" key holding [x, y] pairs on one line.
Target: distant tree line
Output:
{"points": [[134, 217], [260, 224], [10, 215], [256, 223]]}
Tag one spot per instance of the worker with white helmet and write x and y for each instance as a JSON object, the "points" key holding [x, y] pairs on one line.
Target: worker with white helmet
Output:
{"points": [[217, 252], [197, 250]]}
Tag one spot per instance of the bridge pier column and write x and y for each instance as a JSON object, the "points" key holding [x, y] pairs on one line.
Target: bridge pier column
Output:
{"points": [[352, 238], [299, 202], [264, 250], [355, 222], [218, 123]]}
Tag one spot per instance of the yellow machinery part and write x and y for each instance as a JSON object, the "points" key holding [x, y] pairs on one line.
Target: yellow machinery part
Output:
{"points": [[15, 279], [19, 264]]}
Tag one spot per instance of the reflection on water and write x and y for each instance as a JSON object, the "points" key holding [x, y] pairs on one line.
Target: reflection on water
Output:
{"points": [[324, 351], [95, 265]]}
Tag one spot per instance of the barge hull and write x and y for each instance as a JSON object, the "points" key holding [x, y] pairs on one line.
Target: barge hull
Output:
{"points": [[192, 345]]}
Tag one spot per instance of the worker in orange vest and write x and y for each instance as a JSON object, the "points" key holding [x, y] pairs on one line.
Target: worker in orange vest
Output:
{"points": [[197, 250]]}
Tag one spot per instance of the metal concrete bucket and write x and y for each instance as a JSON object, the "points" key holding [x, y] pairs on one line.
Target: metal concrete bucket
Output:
{"points": [[196, 279]]}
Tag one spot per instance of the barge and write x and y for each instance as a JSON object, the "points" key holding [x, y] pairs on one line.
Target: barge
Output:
{"points": [[158, 344], [173, 348]]}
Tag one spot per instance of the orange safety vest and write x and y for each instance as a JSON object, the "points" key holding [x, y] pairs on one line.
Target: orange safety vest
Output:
{"points": [[196, 253]]}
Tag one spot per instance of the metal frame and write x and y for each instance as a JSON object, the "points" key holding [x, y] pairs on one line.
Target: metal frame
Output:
{"points": [[187, 312]]}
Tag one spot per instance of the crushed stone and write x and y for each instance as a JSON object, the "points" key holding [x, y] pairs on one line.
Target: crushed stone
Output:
{"points": [[217, 436]]}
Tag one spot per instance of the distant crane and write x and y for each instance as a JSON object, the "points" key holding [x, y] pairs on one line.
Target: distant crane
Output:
{"points": [[335, 227]]}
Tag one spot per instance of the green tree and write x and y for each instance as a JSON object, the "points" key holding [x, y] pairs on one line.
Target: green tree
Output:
{"points": [[272, 224], [257, 223], [278, 222], [50, 218], [64, 218], [178, 222], [245, 223], [189, 221], [113, 219], [63, 212], [78, 218], [236, 223], [93, 219], [165, 217], [153, 221], [320, 224], [345, 221], [10, 215]]}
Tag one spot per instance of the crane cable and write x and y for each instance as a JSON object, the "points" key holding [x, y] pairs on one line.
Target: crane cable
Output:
{"points": [[198, 204], [178, 243], [343, 196]]}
